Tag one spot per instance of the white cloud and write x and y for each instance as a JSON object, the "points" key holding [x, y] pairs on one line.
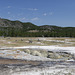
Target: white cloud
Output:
{"points": [[22, 19], [8, 12], [35, 19], [45, 14], [25, 19], [13, 16], [8, 6], [33, 9], [51, 13]]}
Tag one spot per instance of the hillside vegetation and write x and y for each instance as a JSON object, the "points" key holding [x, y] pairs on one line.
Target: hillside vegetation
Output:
{"points": [[17, 28]]}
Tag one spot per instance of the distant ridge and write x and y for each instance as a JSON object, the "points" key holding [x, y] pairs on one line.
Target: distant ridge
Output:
{"points": [[29, 29]]}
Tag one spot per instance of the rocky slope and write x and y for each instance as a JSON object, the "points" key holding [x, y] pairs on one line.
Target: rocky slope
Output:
{"points": [[28, 25]]}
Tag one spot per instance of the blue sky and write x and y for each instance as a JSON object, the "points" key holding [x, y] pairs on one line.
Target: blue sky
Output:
{"points": [[40, 12]]}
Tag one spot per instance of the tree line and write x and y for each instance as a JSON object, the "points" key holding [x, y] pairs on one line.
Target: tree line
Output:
{"points": [[16, 32]]}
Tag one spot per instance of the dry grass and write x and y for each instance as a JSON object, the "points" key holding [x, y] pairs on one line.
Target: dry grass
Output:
{"points": [[24, 41]]}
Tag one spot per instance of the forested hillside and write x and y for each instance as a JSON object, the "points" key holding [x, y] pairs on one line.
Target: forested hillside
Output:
{"points": [[17, 28]]}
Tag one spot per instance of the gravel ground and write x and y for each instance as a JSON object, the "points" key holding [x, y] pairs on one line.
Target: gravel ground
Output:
{"points": [[40, 68], [14, 61]]}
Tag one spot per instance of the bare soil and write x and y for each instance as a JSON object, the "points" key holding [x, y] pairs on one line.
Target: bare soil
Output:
{"points": [[16, 61]]}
